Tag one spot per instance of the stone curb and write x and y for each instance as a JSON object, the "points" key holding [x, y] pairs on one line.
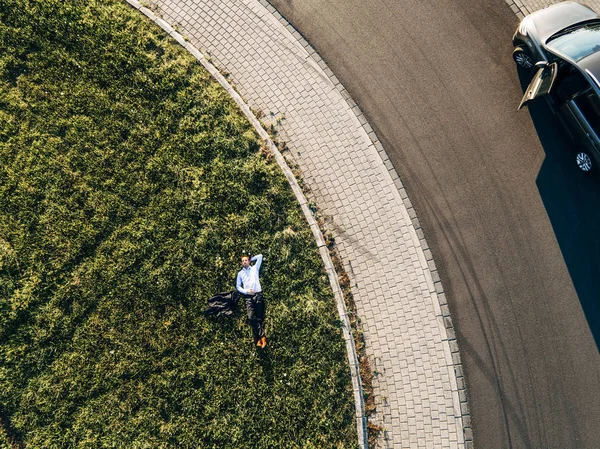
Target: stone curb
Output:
{"points": [[361, 419]]}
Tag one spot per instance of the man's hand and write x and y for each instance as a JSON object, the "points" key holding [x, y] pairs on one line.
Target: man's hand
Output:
{"points": [[251, 291]]}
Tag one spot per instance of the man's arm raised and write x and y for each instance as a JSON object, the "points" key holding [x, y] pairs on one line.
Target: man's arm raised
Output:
{"points": [[258, 258]]}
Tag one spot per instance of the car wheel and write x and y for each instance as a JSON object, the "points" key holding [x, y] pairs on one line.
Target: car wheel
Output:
{"points": [[523, 59], [585, 162]]}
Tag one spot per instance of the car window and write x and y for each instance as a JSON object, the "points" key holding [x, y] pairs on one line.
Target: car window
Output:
{"points": [[577, 43], [570, 82], [589, 105]]}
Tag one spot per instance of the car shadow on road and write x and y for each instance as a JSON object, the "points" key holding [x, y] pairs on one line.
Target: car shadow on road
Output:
{"points": [[572, 201]]}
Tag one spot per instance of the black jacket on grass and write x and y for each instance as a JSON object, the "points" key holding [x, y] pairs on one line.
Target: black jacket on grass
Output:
{"points": [[222, 303]]}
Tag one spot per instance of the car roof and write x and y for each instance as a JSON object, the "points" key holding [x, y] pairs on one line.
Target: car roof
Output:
{"points": [[591, 65]]}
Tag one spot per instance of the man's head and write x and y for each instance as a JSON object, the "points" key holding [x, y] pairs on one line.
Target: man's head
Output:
{"points": [[245, 261]]}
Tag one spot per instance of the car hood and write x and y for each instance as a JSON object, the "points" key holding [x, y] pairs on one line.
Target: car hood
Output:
{"points": [[556, 17]]}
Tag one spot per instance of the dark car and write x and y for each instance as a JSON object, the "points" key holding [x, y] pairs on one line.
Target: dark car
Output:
{"points": [[561, 43]]}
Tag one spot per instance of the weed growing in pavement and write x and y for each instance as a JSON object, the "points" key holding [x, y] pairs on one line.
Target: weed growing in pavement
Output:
{"points": [[366, 373]]}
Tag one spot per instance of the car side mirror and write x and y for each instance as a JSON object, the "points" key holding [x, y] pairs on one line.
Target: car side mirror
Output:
{"points": [[541, 64]]}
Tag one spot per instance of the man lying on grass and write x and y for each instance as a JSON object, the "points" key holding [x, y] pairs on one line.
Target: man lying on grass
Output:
{"points": [[248, 285]]}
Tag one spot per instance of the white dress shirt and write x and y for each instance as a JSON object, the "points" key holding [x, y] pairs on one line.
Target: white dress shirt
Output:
{"points": [[247, 278]]}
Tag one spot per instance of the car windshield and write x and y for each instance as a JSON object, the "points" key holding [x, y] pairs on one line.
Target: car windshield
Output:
{"points": [[577, 43]]}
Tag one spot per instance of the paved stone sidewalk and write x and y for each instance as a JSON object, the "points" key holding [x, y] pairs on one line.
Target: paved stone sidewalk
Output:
{"points": [[419, 388]]}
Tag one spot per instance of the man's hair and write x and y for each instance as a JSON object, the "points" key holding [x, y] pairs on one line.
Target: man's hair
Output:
{"points": [[246, 256]]}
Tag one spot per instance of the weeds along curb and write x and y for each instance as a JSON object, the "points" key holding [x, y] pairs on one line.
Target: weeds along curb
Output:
{"points": [[361, 419], [366, 373]]}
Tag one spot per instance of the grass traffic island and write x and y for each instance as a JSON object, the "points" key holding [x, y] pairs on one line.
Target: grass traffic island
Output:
{"points": [[129, 185]]}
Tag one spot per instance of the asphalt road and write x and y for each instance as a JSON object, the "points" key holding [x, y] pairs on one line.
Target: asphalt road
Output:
{"points": [[514, 228]]}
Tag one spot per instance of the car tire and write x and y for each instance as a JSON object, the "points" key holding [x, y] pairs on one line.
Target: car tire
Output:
{"points": [[586, 162], [523, 59]]}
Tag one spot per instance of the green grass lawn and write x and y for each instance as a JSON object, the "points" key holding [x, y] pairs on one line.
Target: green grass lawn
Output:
{"points": [[129, 185]]}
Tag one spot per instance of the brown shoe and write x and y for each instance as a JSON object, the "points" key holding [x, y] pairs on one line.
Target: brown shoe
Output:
{"points": [[263, 342]]}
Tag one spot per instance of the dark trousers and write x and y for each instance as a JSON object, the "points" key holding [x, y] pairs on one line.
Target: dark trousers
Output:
{"points": [[255, 309]]}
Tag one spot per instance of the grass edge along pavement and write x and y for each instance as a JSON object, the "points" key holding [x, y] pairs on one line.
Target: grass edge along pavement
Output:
{"points": [[314, 225], [117, 357], [355, 365]]}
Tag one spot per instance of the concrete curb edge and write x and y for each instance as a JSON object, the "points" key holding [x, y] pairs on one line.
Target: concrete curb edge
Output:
{"points": [[518, 8]]}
